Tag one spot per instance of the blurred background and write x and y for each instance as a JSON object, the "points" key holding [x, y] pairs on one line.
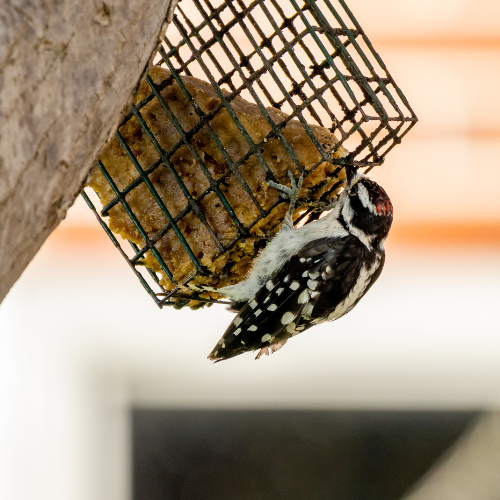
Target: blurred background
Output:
{"points": [[81, 343]]}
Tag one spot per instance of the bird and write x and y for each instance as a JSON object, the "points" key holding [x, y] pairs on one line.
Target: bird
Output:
{"points": [[312, 274]]}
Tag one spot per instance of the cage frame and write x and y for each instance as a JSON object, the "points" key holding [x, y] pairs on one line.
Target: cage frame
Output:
{"points": [[220, 31]]}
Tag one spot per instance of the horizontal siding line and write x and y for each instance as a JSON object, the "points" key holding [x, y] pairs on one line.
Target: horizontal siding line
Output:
{"points": [[420, 134], [447, 233], [85, 238], [432, 43]]}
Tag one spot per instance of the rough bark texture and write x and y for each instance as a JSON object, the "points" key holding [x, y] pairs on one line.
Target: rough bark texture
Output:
{"points": [[67, 69], [471, 469]]}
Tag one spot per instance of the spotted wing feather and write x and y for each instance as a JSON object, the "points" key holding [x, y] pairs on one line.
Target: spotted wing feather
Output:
{"points": [[264, 316], [276, 311], [340, 269]]}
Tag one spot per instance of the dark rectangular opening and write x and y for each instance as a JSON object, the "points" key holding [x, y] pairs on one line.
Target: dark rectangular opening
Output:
{"points": [[266, 455]]}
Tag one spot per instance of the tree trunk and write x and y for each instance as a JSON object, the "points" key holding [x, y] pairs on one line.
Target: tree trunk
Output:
{"points": [[67, 69]]}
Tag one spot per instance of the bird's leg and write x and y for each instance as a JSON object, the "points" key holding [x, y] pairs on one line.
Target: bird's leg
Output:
{"points": [[292, 193]]}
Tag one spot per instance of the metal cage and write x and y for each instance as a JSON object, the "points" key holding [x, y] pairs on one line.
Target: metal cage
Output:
{"points": [[307, 58]]}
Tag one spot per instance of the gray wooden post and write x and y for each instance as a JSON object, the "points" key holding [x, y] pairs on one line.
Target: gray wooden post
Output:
{"points": [[67, 70]]}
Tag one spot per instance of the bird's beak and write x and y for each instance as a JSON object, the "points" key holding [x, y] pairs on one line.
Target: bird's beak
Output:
{"points": [[352, 176]]}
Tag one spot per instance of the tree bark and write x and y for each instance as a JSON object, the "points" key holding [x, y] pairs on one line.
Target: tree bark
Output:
{"points": [[67, 69]]}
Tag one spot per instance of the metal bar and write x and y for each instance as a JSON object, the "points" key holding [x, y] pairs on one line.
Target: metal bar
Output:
{"points": [[111, 236], [316, 93], [213, 184], [354, 120], [194, 207], [282, 88], [236, 164], [345, 56], [163, 208], [153, 275], [378, 58], [290, 50], [245, 60], [254, 95], [327, 55], [196, 33], [226, 102], [216, 139]]}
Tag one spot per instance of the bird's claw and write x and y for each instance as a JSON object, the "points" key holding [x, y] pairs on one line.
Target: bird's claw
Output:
{"points": [[290, 193]]}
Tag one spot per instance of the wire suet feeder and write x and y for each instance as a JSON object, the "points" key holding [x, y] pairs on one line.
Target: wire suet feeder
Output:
{"points": [[287, 78]]}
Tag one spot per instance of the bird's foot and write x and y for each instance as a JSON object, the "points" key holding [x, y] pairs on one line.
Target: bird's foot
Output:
{"points": [[290, 193]]}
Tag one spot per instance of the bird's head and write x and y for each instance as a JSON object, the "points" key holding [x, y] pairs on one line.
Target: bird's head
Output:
{"points": [[367, 210]]}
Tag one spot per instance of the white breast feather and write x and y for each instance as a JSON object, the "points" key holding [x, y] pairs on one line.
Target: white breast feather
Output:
{"points": [[280, 249]]}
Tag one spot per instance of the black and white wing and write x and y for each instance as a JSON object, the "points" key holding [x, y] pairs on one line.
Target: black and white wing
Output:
{"points": [[302, 293]]}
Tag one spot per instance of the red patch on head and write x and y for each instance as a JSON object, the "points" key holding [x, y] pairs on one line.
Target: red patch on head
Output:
{"points": [[379, 198], [383, 206]]}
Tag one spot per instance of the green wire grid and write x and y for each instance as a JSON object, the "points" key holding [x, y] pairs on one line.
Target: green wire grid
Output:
{"points": [[308, 58]]}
